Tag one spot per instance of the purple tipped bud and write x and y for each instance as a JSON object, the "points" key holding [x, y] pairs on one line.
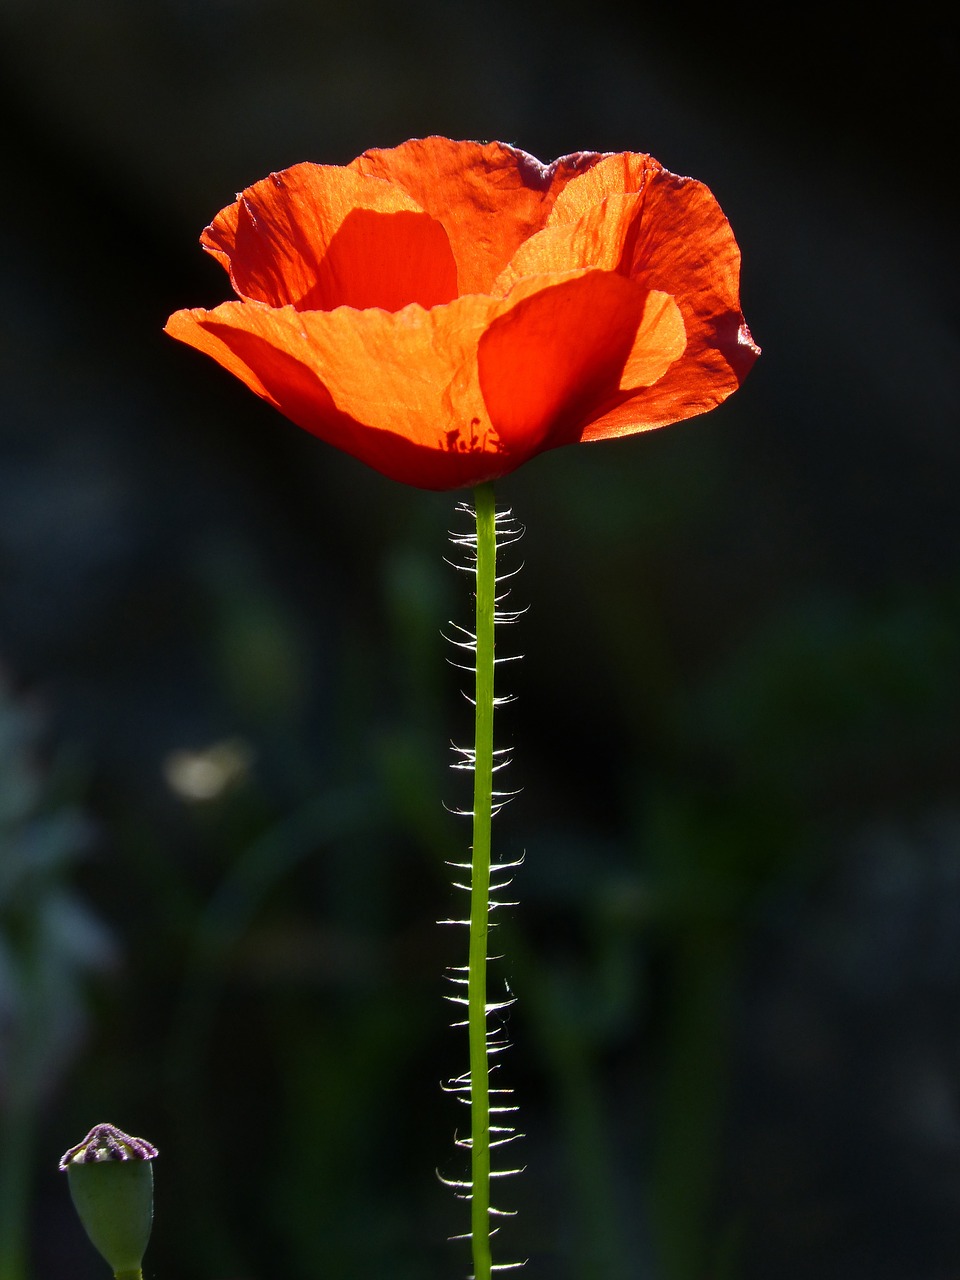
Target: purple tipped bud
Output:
{"points": [[106, 1142], [111, 1185]]}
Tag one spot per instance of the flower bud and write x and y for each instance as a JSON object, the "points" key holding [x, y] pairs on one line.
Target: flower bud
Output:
{"points": [[111, 1185]]}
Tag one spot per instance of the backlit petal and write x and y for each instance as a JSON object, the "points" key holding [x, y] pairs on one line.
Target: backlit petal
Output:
{"points": [[599, 238], [318, 237], [488, 196], [397, 390], [704, 378], [683, 246], [564, 353], [612, 175]]}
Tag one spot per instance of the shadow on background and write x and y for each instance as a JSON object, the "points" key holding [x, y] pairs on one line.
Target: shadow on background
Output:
{"points": [[225, 710]]}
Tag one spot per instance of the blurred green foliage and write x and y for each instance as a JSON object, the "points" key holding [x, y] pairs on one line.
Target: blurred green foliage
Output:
{"points": [[50, 942], [277, 1020]]}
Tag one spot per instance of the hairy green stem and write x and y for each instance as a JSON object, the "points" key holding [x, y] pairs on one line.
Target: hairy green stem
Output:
{"points": [[480, 883]]}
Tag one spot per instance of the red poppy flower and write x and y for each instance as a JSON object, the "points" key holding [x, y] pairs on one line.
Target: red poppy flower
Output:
{"points": [[446, 310]]}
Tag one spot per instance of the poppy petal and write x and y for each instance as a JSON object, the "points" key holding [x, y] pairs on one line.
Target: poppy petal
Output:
{"points": [[681, 244], [710, 371], [318, 236], [704, 266], [612, 175], [701, 269], [599, 238], [489, 197], [647, 236], [366, 381], [560, 354]]}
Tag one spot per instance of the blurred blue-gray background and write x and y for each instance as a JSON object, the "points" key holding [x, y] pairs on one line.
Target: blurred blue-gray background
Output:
{"points": [[225, 709]]}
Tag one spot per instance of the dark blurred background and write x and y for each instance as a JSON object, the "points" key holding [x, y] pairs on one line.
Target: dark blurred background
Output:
{"points": [[225, 709]]}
